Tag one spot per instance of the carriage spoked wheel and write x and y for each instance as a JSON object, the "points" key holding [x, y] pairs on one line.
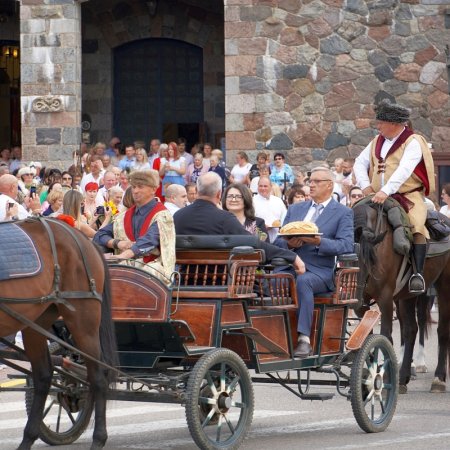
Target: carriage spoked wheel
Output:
{"points": [[67, 412], [374, 384], [219, 400]]}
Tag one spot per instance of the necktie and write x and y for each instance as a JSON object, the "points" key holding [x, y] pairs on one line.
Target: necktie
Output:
{"points": [[317, 212]]}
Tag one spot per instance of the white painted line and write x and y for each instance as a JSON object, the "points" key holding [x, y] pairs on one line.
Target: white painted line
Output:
{"points": [[150, 425]]}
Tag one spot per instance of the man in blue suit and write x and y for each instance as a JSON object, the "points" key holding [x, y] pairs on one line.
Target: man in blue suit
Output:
{"points": [[335, 222]]}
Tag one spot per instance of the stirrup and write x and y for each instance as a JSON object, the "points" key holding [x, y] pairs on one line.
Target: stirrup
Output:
{"points": [[413, 279]]}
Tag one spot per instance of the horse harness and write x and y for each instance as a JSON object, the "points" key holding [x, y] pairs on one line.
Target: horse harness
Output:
{"points": [[56, 295]]}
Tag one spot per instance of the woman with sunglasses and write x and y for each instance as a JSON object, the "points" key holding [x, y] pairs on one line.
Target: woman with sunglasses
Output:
{"points": [[238, 200], [281, 173]]}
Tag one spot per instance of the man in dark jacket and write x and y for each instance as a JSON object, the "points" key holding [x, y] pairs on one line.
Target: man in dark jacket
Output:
{"points": [[204, 217]]}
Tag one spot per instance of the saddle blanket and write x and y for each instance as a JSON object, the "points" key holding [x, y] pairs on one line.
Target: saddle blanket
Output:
{"points": [[18, 255]]}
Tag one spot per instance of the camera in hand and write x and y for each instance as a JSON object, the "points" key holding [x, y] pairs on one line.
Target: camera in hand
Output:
{"points": [[100, 211], [32, 190]]}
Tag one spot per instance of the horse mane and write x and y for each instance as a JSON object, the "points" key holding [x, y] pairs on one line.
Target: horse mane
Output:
{"points": [[366, 236]]}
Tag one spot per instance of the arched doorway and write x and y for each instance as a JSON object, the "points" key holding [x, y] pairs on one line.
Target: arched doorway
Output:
{"points": [[158, 90], [9, 94]]}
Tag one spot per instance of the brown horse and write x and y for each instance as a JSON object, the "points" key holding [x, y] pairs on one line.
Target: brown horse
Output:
{"points": [[73, 284], [380, 266]]}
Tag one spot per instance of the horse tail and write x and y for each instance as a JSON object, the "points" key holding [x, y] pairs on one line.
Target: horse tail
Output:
{"points": [[108, 341]]}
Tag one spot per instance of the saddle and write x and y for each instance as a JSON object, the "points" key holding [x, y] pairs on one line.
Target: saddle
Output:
{"points": [[399, 221], [18, 257]]}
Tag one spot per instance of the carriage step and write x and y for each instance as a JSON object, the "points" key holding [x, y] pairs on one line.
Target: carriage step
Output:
{"points": [[16, 376], [317, 396]]}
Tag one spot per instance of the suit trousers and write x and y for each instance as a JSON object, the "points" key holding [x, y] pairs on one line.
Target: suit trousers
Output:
{"points": [[307, 285]]}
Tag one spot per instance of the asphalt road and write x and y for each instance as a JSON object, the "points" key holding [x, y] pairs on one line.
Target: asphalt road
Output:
{"points": [[281, 420]]}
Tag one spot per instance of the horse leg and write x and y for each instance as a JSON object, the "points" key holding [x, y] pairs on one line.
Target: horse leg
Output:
{"points": [[385, 304], [85, 331], [407, 311], [422, 319], [35, 346], [443, 330]]}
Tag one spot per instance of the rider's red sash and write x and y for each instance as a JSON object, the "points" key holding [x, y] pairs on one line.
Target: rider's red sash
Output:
{"points": [[128, 226], [420, 169]]}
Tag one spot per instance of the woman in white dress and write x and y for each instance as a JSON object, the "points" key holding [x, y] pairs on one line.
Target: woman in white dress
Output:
{"points": [[173, 167], [240, 171]]}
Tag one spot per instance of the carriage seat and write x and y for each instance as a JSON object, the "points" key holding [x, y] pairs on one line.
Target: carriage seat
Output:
{"points": [[345, 280], [216, 266], [278, 290]]}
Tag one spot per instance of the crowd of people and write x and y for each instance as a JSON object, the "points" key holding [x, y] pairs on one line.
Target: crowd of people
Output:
{"points": [[132, 200]]}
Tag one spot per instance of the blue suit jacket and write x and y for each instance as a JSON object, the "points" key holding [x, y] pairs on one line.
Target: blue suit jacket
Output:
{"points": [[336, 224]]}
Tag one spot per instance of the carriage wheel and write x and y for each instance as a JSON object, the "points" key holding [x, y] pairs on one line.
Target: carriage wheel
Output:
{"points": [[67, 412], [219, 400], [374, 384]]}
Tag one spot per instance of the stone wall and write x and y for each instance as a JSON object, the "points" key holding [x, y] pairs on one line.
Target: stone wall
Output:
{"points": [[303, 76], [107, 25], [50, 59]]}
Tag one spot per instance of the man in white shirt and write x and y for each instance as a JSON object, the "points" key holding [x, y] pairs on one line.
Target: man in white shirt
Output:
{"points": [[96, 174], [176, 198], [9, 208], [109, 180], [398, 163], [269, 207]]}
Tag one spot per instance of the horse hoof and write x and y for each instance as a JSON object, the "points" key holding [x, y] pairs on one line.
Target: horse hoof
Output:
{"points": [[402, 389], [422, 369], [437, 386]]}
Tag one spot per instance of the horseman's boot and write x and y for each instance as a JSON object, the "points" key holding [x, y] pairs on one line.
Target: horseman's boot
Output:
{"points": [[417, 282]]}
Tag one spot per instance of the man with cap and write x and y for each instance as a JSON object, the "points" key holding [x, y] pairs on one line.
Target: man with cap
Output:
{"points": [[145, 232], [398, 163]]}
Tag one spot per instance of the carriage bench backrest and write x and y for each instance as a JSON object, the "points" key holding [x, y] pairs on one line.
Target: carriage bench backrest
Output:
{"points": [[217, 266]]}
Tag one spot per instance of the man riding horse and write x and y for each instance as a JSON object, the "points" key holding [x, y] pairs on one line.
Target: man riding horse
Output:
{"points": [[398, 163]]}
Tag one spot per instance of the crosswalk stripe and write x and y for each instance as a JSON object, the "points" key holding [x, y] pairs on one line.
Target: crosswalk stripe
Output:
{"points": [[135, 428]]}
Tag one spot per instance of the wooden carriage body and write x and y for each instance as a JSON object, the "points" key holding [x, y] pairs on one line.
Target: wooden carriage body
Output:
{"points": [[223, 297]]}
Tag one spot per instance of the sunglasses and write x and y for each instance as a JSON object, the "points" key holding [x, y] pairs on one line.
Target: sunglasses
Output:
{"points": [[67, 178], [357, 195]]}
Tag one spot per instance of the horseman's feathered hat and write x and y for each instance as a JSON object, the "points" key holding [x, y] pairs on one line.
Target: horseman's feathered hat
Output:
{"points": [[391, 112]]}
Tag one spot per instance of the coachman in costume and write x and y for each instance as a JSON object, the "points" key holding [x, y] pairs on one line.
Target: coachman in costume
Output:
{"points": [[398, 163], [145, 233]]}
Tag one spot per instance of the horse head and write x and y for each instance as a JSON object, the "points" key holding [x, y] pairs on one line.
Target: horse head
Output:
{"points": [[370, 229]]}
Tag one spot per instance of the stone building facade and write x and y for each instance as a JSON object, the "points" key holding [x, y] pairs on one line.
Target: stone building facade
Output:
{"points": [[303, 76], [298, 76]]}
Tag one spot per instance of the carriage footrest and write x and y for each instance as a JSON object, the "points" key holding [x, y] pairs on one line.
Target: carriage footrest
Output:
{"points": [[318, 396]]}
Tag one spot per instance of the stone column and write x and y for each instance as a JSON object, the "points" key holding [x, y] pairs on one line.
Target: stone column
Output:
{"points": [[50, 39]]}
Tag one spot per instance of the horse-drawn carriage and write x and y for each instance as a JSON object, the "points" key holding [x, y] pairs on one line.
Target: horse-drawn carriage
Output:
{"points": [[226, 321]]}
